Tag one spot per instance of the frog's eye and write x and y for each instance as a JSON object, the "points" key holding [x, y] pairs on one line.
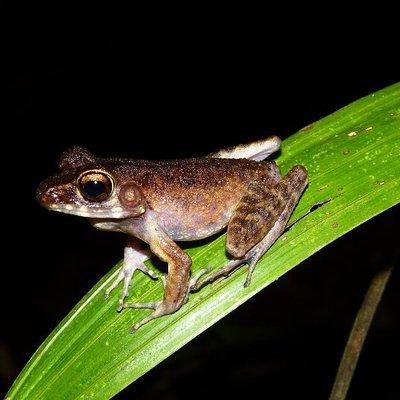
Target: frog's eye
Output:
{"points": [[95, 185]]}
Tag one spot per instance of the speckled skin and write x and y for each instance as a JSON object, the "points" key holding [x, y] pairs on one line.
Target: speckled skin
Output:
{"points": [[161, 202]]}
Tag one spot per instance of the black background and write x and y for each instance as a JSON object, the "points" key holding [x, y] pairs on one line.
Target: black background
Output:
{"points": [[155, 85]]}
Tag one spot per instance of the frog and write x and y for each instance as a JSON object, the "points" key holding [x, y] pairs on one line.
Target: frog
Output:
{"points": [[159, 204]]}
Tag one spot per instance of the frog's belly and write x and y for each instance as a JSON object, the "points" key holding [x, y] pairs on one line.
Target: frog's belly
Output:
{"points": [[196, 224], [198, 233]]}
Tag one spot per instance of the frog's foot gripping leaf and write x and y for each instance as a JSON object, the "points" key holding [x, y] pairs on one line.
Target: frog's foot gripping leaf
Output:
{"points": [[125, 274], [259, 219], [158, 307], [163, 307]]}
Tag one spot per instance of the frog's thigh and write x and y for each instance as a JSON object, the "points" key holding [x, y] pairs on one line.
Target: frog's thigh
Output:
{"points": [[263, 212], [253, 151]]}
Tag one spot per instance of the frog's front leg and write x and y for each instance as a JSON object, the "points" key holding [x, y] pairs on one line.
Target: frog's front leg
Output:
{"points": [[134, 258], [259, 219], [176, 284]]}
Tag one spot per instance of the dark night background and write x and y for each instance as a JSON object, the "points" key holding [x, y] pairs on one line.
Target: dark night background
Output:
{"points": [[151, 86]]}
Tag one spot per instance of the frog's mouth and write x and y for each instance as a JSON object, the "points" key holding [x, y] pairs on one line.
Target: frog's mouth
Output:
{"points": [[89, 212]]}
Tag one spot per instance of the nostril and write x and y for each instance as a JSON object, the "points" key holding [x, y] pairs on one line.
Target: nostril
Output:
{"points": [[52, 193], [46, 195]]}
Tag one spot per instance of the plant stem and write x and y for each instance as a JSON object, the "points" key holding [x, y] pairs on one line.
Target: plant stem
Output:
{"points": [[358, 333]]}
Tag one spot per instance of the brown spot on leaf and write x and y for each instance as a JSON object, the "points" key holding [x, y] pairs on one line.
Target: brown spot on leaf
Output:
{"points": [[307, 128]]}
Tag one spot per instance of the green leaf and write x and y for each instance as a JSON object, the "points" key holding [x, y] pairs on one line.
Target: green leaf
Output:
{"points": [[353, 159]]}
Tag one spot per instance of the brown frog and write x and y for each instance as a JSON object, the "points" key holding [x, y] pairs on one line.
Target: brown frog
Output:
{"points": [[164, 202]]}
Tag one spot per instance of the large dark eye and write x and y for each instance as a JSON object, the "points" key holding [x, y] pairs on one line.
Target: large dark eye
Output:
{"points": [[95, 185]]}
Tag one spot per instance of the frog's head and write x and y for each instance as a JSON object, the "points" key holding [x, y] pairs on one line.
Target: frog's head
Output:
{"points": [[90, 187]]}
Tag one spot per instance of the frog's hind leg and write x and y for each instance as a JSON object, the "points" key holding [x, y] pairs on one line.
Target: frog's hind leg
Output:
{"points": [[259, 219], [257, 151]]}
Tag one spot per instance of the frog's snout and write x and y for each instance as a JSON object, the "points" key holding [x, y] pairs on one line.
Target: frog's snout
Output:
{"points": [[51, 196], [47, 196]]}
